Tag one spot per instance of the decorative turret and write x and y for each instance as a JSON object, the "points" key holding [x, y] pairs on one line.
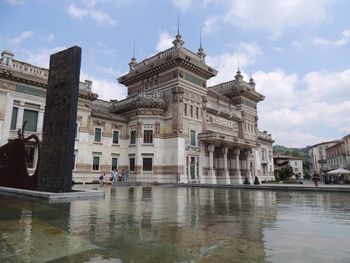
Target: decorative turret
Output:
{"points": [[178, 42], [133, 59], [200, 52], [132, 63], [251, 82], [239, 76]]}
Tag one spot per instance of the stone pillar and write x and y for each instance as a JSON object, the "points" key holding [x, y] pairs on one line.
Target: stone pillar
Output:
{"points": [[204, 112], [245, 165], [188, 158], [195, 168], [20, 114], [211, 171], [237, 178], [178, 106], [40, 121], [226, 175]]}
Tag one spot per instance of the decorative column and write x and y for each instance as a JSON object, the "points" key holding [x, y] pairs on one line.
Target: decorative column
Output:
{"points": [[188, 158], [179, 158], [204, 112], [195, 168], [245, 168], [226, 176], [237, 178], [178, 106], [20, 114], [211, 172]]}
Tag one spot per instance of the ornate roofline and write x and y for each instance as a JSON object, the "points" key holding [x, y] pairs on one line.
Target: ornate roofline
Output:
{"points": [[165, 60]]}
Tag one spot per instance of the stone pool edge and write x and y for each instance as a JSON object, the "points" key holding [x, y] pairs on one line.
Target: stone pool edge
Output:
{"points": [[53, 197], [343, 189]]}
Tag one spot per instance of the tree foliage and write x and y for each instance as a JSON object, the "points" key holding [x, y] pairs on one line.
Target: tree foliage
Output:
{"points": [[286, 172]]}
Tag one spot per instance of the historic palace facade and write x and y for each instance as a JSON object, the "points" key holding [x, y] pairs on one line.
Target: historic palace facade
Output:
{"points": [[171, 127]]}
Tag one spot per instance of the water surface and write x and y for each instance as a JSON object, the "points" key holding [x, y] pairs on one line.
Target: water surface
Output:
{"points": [[165, 224]]}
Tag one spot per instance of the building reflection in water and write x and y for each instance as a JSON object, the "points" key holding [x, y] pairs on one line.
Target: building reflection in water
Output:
{"points": [[156, 224]]}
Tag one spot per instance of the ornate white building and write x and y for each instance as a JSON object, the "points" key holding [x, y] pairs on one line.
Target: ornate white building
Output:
{"points": [[170, 128]]}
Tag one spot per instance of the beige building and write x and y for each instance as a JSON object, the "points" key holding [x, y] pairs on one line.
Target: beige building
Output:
{"points": [[318, 157], [338, 155], [296, 163], [171, 127]]}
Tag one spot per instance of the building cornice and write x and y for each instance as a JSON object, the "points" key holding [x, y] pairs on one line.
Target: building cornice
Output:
{"points": [[166, 60]]}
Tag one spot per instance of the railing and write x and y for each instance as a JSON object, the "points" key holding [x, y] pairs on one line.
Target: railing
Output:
{"points": [[27, 69]]}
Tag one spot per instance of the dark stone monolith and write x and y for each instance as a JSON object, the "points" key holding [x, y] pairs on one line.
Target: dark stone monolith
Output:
{"points": [[56, 156]]}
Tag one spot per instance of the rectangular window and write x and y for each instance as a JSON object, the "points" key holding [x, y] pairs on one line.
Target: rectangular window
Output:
{"points": [[185, 110], [193, 139], [197, 113], [96, 163], [147, 164], [14, 118], [132, 164], [132, 137], [147, 136], [114, 163], [191, 111], [98, 132], [115, 137], [32, 119]]}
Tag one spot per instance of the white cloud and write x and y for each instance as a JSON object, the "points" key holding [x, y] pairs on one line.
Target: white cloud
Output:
{"points": [[277, 49], [15, 2], [21, 37], [307, 115], [108, 70], [211, 24], [97, 15], [182, 4], [227, 63], [274, 15], [105, 88], [165, 41], [50, 38], [41, 57], [344, 40]]}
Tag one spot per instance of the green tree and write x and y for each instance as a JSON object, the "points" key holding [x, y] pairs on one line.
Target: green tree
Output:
{"points": [[296, 153], [286, 172]]}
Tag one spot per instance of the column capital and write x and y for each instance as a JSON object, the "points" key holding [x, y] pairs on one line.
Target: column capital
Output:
{"points": [[236, 151], [211, 147], [224, 150]]}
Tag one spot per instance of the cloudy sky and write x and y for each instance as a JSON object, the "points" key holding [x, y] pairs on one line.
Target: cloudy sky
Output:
{"points": [[296, 50]]}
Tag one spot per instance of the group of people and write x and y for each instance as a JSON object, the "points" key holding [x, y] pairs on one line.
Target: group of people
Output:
{"points": [[122, 176]]}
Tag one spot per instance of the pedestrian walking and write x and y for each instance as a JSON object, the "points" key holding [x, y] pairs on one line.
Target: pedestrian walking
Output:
{"points": [[114, 176], [316, 178]]}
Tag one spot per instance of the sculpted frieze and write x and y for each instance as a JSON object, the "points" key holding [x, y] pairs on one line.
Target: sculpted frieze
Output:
{"points": [[222, 121]]}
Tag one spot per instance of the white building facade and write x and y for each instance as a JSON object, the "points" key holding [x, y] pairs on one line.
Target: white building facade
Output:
{"points": [[170, 128]]}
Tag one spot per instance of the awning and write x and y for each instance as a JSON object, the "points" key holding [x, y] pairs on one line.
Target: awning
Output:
{"points": [[339, 171]]}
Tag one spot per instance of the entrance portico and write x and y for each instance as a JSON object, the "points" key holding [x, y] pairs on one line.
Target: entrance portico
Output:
{"points": [[228, 161]]}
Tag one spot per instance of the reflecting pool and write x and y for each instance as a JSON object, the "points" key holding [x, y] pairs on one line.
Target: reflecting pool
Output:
{"points": [[166, 224]]}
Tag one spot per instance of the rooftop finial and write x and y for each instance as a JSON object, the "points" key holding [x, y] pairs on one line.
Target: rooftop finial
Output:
{"points": [[200, 52], [251, 80], [178, 24], [133, 59], [238, 63], [238, 76], [178, 42]]}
